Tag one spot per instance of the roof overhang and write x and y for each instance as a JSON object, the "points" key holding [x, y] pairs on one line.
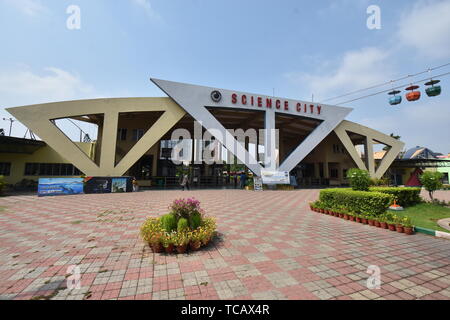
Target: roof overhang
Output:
{"points": [[19, 145]]}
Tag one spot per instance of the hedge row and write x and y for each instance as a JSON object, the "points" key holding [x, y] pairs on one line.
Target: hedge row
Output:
{"points": [[404, 196], [367, 202]]}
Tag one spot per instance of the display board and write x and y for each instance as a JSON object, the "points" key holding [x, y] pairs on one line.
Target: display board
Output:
{"points": [[108, 184], [97, 185], [59, 186], [257, 184], [275, 177]]}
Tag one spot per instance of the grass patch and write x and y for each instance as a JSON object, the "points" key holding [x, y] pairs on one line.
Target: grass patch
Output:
{"points": [[426, 215]]}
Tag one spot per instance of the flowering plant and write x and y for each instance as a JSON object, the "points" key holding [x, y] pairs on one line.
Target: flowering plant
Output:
{"points": [[185, 208]]}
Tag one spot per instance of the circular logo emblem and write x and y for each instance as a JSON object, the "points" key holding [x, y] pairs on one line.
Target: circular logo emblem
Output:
{"points": [[216, 96]]}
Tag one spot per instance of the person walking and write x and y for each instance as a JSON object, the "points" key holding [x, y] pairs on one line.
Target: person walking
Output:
{"points": [[185, 182]]}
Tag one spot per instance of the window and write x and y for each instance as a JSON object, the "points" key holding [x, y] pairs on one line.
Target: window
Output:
{"points": [[334, 173], [137, 134], [5, 168], [122, 134], [51, 169]]}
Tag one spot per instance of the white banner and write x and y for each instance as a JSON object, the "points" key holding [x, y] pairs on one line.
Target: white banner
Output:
{"points": [[275, 177]]}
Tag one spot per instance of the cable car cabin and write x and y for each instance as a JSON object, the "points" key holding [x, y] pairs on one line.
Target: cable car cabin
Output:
{"points": [[395, 100], [433, 90], [413, 95]]}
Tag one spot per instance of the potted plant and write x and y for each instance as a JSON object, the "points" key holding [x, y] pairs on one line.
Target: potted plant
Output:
{"points": [[371, 219], [358, 218], [407, 225], [383, 223], [155, 243], [168, 242], [377, 221], [194, 240], [398, 224], [364, 218], [351, 216], [181, 240]]}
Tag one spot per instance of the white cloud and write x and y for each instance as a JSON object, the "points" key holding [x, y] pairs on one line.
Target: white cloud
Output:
{"points": [[148, 8], [22, 86], [28, 7], [425, 27], [357, 69]]}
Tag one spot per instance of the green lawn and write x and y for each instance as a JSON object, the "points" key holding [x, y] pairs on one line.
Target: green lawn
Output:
{"points": [[426, 215]]}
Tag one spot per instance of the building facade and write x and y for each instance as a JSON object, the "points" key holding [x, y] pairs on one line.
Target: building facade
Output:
{"points": [[137, 137]]}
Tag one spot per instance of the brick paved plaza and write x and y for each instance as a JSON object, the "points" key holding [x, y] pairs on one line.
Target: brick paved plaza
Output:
{"points": [[270, 246]]}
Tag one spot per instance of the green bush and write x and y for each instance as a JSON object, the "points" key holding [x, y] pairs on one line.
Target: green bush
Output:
{"points": [[372, 203], [169, 222], [431, 181], [183, 225], [404, 196], [195, 220], [359, 179]]}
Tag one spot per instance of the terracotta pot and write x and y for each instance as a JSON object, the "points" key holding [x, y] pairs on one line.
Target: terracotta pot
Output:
{"points": [[377, 224], [157, 247], [408, 230], [383, 225], [182, 249], [371, 222], [391, 227], [358, 219], [322, 210], [351, 218], [341, 215], [169, 248], [194, 246], [364, 220], [345, 216], [399, 228]]}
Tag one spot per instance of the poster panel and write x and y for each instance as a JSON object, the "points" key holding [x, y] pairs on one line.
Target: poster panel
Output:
{"points": [[97, 185], [59, 186], [119, 185], [275, 177]]}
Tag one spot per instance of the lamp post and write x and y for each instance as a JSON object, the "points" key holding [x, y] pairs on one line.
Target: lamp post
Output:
{"points": [[11, 120]]}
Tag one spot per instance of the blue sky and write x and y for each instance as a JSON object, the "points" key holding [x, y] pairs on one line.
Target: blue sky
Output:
{"points": [[297, 48]]}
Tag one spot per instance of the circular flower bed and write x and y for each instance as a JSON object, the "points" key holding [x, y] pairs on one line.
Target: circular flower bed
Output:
{"points": [[184, 227]]}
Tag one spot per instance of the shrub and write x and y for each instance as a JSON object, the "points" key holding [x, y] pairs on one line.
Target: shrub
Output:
{"points": [[431, 181], [403, 196], [195, 220], [372, 203], [183, 225], [151, 230], [359, 179], [168, 222]]}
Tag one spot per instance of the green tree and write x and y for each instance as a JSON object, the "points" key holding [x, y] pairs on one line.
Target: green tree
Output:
{"points": [[431, 181]]}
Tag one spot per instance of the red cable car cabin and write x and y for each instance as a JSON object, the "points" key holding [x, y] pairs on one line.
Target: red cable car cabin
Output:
{"points": [[413, 95]]}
